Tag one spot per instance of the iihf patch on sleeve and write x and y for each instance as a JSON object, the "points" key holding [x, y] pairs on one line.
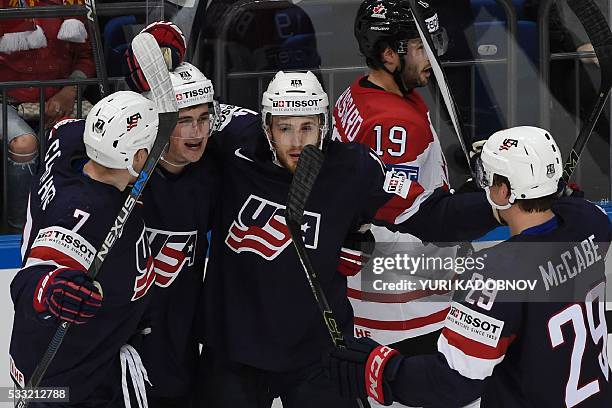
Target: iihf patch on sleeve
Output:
{"points": [[397, 183], [474, 325]]}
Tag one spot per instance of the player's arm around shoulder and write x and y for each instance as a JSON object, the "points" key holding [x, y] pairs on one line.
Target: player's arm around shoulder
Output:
{"points": [[232, 129]]}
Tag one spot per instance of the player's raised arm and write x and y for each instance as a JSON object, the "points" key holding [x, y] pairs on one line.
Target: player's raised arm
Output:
{"points": [[404, 205]]}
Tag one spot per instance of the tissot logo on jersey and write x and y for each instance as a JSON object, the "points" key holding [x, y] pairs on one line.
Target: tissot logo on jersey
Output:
{"points": [[132, 121], [397, 183], [59, 243], [261, 229], [474, 325], [172, 251]]}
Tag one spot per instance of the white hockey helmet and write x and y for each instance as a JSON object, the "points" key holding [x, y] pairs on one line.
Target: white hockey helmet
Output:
{"points": [[117, 127], [294, 94], [528, 157], [190, 86]]}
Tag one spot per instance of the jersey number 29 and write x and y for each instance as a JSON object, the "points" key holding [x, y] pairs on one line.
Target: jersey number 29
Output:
{"points": [[594, 301]]}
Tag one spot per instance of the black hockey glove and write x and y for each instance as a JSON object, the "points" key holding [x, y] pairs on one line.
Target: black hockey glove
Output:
{"points": [[67, 295], [364, 369], [355, 252]]}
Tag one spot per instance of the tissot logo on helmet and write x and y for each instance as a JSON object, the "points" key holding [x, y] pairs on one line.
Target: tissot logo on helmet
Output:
{"points": [[296, 104]]}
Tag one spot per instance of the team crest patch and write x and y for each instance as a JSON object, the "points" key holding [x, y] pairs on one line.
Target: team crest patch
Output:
{"points": [[261, 229], [397, 183], [508, 143], [379, 11], [172, 252]]}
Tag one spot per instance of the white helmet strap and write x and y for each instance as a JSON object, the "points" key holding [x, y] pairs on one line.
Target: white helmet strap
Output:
{"points": [[494, 204], [133, 172]]}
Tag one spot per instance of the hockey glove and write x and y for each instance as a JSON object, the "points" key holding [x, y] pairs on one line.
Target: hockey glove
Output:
{"points": [[355, 252], [364, 369], [471, 185], [172, 44], [67, 295], [569, 190]]}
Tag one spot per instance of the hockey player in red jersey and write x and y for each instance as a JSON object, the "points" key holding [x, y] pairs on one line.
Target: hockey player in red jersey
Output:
{"points": [[384, 111], [543, 347], [73, 206]]}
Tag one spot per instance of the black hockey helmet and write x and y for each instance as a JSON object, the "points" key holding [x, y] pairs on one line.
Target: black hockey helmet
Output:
{"points": [[382, 23]]}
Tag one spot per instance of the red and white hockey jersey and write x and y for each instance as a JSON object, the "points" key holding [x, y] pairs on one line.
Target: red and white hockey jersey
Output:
{"points": [[399, 130]]}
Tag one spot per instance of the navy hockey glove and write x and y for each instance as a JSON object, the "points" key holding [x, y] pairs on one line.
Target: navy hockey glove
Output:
{"points": [[364, 369], [172, 43], [355, 252], [68, 295]]}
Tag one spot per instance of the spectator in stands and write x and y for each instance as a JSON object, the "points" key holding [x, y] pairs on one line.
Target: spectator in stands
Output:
{"points": [[32, 50], [568, 35]]}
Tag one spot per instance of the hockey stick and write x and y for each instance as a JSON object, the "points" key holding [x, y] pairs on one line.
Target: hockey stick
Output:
{"points": [[98, 54], [308, 167], [598, 32], [447, 96], [152, 63]]}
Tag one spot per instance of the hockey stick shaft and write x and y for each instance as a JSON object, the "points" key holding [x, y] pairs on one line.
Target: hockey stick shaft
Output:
{"points": [[153, 66], [445, 91], [308, 167], [98, 54], [600, 36]]}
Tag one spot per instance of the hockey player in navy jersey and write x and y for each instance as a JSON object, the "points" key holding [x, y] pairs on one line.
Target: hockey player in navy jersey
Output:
{"points": [[264, 334], [73, 205], [178, 206], [544, 347]]}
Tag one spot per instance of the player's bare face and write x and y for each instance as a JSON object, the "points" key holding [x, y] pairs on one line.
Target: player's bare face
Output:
{"points": [[417, 67], [189, 138], [289, 136]]}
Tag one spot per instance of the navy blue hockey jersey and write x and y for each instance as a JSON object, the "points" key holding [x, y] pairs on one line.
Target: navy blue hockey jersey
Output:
{"points": [[259, 307], [69, 216], [177, 210], [538, 346]]}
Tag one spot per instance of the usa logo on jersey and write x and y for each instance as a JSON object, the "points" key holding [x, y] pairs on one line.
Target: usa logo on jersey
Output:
{"points": [[144, 265], [261, 229], [172, 252]]}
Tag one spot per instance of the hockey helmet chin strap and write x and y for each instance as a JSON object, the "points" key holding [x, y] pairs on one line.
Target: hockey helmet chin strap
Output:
{"points": [[132, 171]]}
